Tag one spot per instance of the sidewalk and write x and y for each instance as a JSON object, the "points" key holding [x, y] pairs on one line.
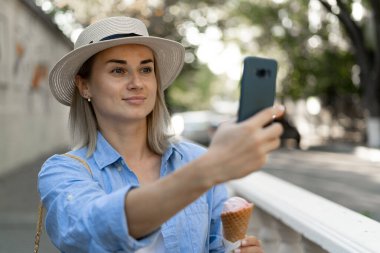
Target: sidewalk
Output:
{"points": [[18, 210]]}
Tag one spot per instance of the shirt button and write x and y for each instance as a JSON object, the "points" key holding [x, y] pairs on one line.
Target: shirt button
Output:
{"points": [[70, 197], [119, 168]]}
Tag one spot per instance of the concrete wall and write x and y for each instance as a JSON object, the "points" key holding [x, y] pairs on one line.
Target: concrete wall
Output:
{"points": [[32, 123]]}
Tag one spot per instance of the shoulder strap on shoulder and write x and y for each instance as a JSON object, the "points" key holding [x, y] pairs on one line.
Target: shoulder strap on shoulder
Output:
{"points": [[41, 207], [80, 160]]}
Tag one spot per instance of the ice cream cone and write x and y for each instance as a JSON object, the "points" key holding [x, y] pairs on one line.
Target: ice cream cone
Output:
{"points": [[235, 223]]}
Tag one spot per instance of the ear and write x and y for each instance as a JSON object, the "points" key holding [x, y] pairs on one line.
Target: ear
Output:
{"points": [[83, 87]]}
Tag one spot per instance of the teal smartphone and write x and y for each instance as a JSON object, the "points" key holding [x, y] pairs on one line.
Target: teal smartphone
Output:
{"points": [[258, 86]]}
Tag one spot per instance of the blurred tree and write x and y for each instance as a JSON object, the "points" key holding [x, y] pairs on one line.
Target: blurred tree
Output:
{"points": [[310, 43], [312, 61], [327, 52], [366, 48]]}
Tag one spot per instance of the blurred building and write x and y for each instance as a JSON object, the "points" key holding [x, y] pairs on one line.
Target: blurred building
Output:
{"points": [[32, 122]]}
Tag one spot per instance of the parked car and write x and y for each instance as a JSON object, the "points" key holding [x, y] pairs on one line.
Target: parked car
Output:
{"points": [[197, 126]]}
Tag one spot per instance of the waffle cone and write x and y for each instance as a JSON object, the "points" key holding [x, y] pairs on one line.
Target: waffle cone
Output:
{"points": [[235, 224]]}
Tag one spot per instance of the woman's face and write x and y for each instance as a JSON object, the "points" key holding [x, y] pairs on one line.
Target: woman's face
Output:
{"points": [[123, 84]]}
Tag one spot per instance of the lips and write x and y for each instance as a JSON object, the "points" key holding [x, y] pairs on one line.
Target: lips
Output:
{"points": [[135, 99]]}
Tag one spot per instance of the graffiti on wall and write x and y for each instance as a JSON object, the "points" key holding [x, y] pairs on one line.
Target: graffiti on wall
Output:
{"points": [[28, 48], [20, 51], [24, 60], [30, 65], [39, 75]]}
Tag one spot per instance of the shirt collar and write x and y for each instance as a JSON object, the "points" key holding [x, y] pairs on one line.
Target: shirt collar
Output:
{"points": [[105, 154], [172, 150]]}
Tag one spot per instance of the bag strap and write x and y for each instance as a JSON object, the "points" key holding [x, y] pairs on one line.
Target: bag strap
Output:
{"points": [[37, 236], [81, 161], [41, 207]]}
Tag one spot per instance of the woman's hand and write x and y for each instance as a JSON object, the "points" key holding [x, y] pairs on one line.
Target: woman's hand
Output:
{"points": [[250, 244], [238, 149]]}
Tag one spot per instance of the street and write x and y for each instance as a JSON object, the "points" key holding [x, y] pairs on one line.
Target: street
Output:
{"points": [[340, 177]]}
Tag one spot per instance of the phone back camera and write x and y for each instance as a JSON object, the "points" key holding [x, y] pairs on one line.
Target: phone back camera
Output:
{"points": [[263, 73]]}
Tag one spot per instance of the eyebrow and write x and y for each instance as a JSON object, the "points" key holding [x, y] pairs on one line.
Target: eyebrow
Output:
{"points": [[125, 62], [146, 61], [117, 61]]}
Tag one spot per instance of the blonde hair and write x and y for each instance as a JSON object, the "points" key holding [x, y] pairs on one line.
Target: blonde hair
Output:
{"points": [[84, 127]]}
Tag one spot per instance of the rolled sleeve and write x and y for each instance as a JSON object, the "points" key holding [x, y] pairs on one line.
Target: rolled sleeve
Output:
{"points": [[81, 216], [108, 224]]}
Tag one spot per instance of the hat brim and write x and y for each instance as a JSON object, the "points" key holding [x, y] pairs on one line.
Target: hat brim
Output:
{"points": [[169, 57]]}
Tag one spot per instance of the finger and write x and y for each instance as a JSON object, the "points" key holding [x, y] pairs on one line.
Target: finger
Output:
{"points": [[271, 145], [265, 116], [271, 132], [267, 136], [275, 141], [249, 249], [250, 241]]}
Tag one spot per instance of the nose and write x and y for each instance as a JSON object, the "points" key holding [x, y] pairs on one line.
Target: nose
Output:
{"points": [[134, 82]]}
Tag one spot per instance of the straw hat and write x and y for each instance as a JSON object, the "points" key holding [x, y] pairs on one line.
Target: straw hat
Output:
{"points": [[107, 33]]}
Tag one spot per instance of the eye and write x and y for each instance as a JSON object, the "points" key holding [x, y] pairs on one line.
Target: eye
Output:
{"points": [[146, 70], [118, 70]]}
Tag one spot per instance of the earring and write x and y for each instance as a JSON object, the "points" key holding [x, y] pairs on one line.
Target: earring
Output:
{"points": [[86, 96]]}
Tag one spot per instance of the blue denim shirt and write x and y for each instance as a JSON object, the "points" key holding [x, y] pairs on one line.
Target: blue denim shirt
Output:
{"points": [[85, 213]]}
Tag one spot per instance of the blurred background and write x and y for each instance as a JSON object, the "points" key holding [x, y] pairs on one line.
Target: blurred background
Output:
{"points": [[328, 53]]}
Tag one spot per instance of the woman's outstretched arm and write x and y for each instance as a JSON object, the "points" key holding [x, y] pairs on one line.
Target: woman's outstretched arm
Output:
{"points": [[236, 150]]}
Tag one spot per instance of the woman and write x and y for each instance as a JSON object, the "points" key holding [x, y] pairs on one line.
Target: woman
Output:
{"points": [[142, 191]]}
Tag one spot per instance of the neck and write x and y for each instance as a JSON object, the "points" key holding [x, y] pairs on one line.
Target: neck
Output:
{"points": [[129, 139]]}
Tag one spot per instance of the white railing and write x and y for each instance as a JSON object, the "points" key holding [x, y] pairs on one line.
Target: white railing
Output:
{"points": [[289, 219]]}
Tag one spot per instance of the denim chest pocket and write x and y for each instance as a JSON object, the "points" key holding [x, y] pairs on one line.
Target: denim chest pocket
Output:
{"points": [[197, 220]]}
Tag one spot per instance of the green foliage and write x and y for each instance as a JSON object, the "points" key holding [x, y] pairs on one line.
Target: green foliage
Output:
{"points": [[321, 74], [324, 70], [191, 90]]}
